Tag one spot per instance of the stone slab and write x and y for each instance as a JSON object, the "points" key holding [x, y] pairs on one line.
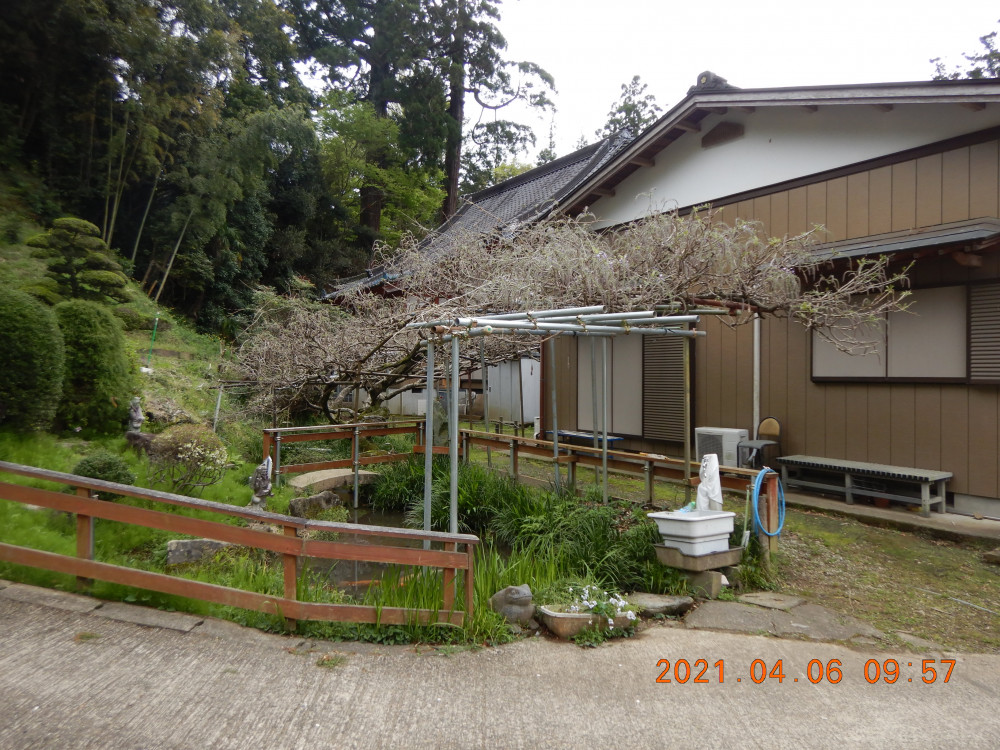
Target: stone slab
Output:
{"points": [[674, 558], [154, 618], [50, 598], [707, 584], [4, 584], [231, 631], [331, 479], [180, 551], [993, 556], [659, 604], [771, 600], [807, 620], [917, 641]]}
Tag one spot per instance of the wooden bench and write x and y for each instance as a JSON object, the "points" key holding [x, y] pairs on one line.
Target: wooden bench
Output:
{"points": [[863, 478], [571, 436]]}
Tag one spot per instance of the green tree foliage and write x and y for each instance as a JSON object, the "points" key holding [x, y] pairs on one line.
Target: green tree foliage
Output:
{"points": [[80, 264], [362, 149], [99, 374], [32, 381], [982, 64], [634, 110]]}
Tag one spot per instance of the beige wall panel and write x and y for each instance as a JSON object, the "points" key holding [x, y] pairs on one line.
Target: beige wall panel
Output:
{"points": [[762, 213], [983, 441], [798, 211], [586, 383], [836, 209], [625, 378], [565, 383], [710, 369], [775, 384], [927, 433], [779, 214], [983, 179], [815, 419], [879, 423], [856, 421], [904, 195], [836, 420], [929, 169], [955, 435], [729, 214], [903, 421], [798, 380], [729, 376], [744, 210], [880, 200], [955, 185], [816, 207], [744, 383], [857, 205]]}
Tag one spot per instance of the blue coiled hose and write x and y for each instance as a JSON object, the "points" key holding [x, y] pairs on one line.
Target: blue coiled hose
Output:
{"points": [[757, 484]]}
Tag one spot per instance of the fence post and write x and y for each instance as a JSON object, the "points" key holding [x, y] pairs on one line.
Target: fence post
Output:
{"points": [[450, 582], [291, 565], [469, 583], [277, 459], [84, 539], [513, 457], [648, 468], [355, 445]]}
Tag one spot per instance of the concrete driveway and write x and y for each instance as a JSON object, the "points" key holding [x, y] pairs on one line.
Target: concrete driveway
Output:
{"points": [[93, 679]]}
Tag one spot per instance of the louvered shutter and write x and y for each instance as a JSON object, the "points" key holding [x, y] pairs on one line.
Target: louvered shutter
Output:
{"points": [[984, 333], [663, 387]]}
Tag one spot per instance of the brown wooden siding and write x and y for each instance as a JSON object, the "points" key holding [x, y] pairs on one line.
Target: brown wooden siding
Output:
{"points": [[949, 427]]}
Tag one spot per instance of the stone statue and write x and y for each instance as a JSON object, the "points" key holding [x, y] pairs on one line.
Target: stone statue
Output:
{"points": [[260, 483], [135, 415], [514, 603]]}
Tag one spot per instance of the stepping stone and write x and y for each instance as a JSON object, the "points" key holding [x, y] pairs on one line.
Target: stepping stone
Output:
{"points": [[771, 600], [657, 604], [50, 598], [331, 479]]}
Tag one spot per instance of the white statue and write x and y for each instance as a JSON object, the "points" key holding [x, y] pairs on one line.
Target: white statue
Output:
{"points": [[260, 483]]}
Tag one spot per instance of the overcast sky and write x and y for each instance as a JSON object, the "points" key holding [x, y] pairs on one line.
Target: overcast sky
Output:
{"points": [[592, 48]]}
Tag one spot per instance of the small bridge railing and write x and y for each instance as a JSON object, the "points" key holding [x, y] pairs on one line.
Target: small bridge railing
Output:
{"points": [[455, 557]]}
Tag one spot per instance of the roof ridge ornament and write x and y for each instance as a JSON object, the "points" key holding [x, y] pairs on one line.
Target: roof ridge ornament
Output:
{"points": [[709, 81]]}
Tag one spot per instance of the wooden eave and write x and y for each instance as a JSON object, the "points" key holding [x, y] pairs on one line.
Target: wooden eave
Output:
{"points": [[688, 114]]}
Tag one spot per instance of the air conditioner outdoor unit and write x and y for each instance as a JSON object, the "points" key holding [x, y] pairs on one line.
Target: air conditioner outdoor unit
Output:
{"points": [[721, 441]]}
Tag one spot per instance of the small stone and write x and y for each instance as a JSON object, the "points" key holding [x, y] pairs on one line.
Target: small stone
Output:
{"points": [[993, 556], [651, 605], [180, 551], [312, 506]]}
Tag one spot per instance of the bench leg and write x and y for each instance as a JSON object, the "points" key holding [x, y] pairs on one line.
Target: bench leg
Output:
{"points": [[848, 488], [942, 493], [925, 499]]}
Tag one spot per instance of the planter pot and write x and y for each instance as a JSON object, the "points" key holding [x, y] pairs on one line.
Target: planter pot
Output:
{"points": [[567, 624]]}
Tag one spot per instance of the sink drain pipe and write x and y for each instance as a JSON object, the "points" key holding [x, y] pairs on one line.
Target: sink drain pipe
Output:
{"points": [[755, 502]]}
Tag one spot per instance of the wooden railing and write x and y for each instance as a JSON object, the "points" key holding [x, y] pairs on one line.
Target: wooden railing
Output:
{"points": [[292, 544]]}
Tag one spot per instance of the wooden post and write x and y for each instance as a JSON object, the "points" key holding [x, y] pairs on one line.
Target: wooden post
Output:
{"points": [[84, 539], [469, 584], [290, 563], [772, 510], [450, 582], [648, 469], [513, 457]]}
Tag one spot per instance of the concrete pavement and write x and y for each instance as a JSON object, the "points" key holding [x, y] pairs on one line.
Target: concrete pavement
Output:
{"points": [[71, 677]]}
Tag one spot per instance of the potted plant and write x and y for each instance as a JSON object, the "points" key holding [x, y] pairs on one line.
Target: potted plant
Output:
{"points": [[581, 607]]}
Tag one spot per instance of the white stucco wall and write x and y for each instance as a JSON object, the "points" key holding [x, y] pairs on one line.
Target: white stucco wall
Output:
{"points": [[779, 144]]}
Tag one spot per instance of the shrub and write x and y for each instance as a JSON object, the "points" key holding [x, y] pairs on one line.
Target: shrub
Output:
{"points": [[187, 456], [31, 381], [106, 466], [99, 375], [133, 320]]}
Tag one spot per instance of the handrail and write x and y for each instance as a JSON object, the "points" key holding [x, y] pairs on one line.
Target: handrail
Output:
{"points": [[291, 544]]}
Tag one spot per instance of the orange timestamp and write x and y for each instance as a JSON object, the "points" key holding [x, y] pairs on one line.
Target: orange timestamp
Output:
{"points": [[889, 671]]}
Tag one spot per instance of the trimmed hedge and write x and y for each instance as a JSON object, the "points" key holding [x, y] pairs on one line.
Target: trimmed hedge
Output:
{"points": [[100, 375], [107, 466], [31, 380]]}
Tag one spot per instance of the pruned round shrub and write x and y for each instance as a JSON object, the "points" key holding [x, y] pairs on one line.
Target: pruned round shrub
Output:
{"points": [[106, 466], [100, 376], [31, 380], [187, 456]]}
